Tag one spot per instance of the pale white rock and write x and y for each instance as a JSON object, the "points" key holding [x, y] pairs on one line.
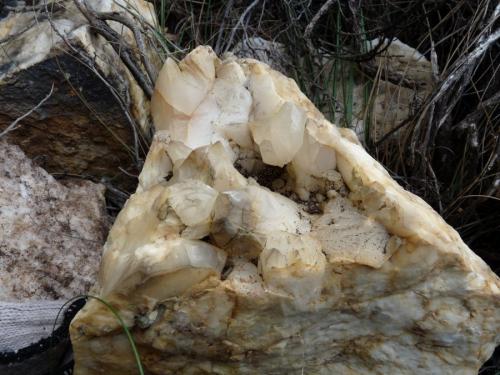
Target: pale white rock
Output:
{"points": [[401, 58], [188, 83], [51, 232], [264, 240], [163, 259], [192, 201], [403, 79], [218, 110], [234, 101], [213, 165], [407, 81]]}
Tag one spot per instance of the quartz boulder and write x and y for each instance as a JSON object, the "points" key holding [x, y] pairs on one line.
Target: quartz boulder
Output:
{"points": [[262, 239]]}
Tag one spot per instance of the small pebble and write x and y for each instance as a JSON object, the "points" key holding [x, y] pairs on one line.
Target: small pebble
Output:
{"points": [[303, 194]]}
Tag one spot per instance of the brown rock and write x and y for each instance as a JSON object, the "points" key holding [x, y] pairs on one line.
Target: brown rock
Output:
{"points": [[82, 128]]}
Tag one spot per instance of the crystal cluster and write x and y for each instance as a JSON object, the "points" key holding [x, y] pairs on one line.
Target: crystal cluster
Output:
{"points": [[262, 239]]}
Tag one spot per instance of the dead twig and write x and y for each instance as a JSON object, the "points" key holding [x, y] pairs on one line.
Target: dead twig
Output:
{"points": [[435, 184], [470, 121], [139, 39], [450, 90], [310, 27], [395, 77], [14, 124], [122, 48], [218, 44], [240, 21]]}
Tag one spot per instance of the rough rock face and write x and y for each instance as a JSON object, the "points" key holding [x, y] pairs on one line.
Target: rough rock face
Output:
{"points": [[51, 232], [264, 240], [81, 129]]}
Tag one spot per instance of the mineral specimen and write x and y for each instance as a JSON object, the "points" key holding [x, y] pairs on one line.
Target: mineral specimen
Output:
{"points": [[264, 240]]}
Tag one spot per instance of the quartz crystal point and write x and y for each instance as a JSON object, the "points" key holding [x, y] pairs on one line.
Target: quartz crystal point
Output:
{"points": [[264, 240]]}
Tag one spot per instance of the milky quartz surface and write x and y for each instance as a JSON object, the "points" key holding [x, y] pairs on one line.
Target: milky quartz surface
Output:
{"points": [[264, 240]]}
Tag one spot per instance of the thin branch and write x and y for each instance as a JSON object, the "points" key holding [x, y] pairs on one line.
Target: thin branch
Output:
{"points": [[240, 21], [119, 45], [218, 46], [13, 125], [479, 196], [387, 135], [465, 69], [125, 20], [310, 27], [436, 185], [455, 83], [469, 122]]}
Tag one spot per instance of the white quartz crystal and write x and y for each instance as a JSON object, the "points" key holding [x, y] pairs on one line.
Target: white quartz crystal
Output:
{"points": [[264, 240]]}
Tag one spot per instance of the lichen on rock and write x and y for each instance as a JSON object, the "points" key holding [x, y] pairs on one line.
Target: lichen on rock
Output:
{"points": [[264, 240]]}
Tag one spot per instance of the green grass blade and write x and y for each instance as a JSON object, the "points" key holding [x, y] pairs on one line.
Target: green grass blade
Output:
{"points": [[137, 357]]}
